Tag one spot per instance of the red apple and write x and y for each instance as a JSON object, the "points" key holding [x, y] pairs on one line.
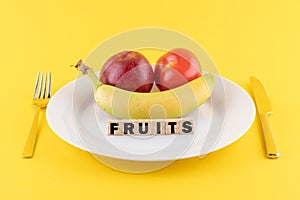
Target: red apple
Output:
{"points": [[175, 68], [128, 70]]}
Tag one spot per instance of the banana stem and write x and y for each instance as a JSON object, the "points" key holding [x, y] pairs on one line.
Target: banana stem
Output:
{"points": [[86, 70]]}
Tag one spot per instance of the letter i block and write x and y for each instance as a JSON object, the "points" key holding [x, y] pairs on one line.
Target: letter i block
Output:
{"points": [[158, 127], [172, 126]]}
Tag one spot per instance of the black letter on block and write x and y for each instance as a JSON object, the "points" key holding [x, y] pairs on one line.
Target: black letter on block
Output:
{"points": [[187, 127], [158, 131], [128, 128], [141, 128], [113, 128], [173, 124]]}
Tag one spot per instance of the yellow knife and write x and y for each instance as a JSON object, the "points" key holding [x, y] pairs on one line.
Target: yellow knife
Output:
{"points": [[264, 109]]}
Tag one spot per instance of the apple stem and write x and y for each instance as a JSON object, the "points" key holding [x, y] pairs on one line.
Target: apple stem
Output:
{"points": [[86, 70]]}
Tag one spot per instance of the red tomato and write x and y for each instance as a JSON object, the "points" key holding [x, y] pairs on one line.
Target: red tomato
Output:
{"points": [[175, 68]]}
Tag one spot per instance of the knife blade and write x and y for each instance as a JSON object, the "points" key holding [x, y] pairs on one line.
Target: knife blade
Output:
{"points": [[264, 109]]}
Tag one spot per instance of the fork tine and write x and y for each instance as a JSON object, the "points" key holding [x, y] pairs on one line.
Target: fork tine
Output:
{"points": [[44, 85], [35, 94], [41, 85], [49, 85]]}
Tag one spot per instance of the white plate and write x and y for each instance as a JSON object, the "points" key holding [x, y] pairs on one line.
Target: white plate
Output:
{"points": [[73, 115]]}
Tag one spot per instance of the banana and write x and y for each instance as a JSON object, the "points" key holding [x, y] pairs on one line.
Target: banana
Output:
{"points": [[154, 105]]}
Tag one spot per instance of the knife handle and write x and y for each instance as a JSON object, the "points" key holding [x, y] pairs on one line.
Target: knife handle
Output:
{"points": [[272, 151]]}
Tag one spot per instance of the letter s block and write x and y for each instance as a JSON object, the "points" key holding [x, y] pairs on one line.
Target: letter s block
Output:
{"points": [[187, 126]]}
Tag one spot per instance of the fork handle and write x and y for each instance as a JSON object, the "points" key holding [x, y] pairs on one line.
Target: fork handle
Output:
{"points": [[31, 139]]}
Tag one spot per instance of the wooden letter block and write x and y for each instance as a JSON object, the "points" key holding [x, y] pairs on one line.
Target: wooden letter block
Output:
{"points": [[113, 127], [186, 126], [158, 127], [143, 127], [172, 126]]}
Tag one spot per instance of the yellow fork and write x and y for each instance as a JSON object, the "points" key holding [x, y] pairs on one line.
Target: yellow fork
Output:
{"points": [[41, 97]]}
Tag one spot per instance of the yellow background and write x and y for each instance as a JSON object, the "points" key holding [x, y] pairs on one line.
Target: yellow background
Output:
{"points": [[244, 38]]}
